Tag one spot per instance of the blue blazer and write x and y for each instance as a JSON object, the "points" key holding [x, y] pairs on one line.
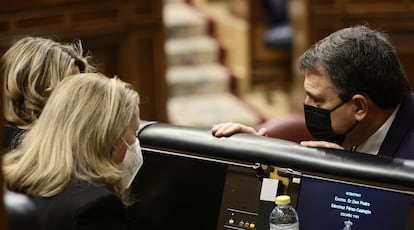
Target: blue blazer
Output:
{"points": [[399, 141]]}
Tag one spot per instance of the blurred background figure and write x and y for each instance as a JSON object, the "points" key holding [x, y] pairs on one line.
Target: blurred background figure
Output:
{"points": [[279, 33]]}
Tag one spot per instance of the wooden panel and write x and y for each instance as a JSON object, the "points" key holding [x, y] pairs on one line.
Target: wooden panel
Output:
{"points": [[105, 50], [3, 220], [406, 59], [376, 6], [18, 5], [141, 66], [322, 2]]}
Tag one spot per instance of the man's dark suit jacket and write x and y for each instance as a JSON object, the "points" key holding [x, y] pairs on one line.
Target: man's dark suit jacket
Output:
{"points": [[82, 206], [399, 141]]}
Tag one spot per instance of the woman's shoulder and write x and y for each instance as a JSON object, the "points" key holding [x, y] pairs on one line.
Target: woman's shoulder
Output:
{"points": [[76, 196], [86, 194], [99, 208], [86, 188], [83, 204]]}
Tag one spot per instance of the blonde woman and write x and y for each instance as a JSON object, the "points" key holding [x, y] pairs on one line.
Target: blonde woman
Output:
{"points": [[81, 155], [32, 67]]}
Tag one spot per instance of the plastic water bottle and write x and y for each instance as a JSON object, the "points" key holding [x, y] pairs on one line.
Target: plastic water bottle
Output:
{"points": [[283, 216]]}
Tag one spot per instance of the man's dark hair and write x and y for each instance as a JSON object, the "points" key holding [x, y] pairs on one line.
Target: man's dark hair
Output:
{"points": [[360, 60]]}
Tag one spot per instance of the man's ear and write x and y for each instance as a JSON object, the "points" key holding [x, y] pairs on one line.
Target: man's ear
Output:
{"points": [[361, 106]]}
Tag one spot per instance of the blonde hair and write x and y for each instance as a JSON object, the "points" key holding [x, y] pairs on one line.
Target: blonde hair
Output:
{"points": [[32, 67], [73, 140]]}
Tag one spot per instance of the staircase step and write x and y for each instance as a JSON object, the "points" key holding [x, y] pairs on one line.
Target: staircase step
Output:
{"points": [[191, 80], [199, 50], [182, 20], [205, 110], [173, 1], [199, 87]]}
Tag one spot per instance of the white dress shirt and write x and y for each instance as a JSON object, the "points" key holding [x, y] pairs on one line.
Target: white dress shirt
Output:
{"points": [[373, 143]]}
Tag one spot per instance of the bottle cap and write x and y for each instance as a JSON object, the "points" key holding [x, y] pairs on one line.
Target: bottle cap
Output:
{"points": [[283, 199]]}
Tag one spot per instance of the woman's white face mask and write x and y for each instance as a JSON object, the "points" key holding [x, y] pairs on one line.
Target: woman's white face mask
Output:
{"points": [[131, 163]]}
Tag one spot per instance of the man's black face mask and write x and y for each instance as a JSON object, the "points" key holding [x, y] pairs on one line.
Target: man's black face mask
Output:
{"points": [[318, 122]]}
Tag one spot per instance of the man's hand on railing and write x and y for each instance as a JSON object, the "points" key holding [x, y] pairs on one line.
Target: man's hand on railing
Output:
{"points": [[229, 128]]}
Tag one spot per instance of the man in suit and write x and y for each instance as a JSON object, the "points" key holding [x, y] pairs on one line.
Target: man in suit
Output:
{"points": [[357, 96]]}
